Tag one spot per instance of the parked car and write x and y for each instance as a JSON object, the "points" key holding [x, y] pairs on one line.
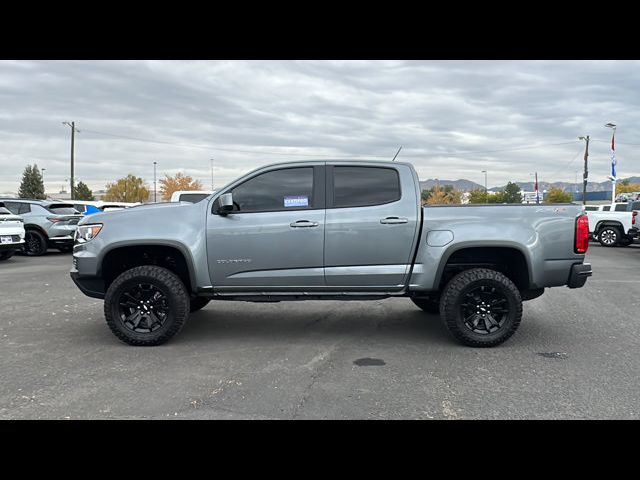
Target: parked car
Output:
{"points": [[193, 196], [613, 228], [47, 224], [333, 230], [82, 205], [11, 233]]}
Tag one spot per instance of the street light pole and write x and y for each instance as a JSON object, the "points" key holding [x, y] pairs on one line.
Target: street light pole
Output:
{"points": [[212, 174], [585, 175], [486, 195], [73, 131], [154, 181], [43, 187]]}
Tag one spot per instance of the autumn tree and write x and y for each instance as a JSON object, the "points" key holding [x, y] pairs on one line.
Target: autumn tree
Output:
{"points": [[557, 195], [32, 185], [444, 194], [127, 189], [627, 187], [477, 196], [82, 192], [177, 182]]}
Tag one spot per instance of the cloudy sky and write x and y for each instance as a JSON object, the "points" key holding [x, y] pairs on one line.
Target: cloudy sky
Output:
{"points": [[453, 118]]}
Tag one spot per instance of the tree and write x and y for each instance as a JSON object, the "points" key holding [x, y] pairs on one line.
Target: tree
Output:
{"points": [[32, 185], [445, 194], [497, 197], [557, 195], [82, 192], [512, 193], [477, 196], [627, 187], [177, 182], [127, 189]]}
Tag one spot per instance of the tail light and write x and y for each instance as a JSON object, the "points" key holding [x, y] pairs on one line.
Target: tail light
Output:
{"points": [[55, 219], [633, 217], [582, 234]]}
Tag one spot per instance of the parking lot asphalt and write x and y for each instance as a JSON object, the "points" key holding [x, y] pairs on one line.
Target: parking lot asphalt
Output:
{"points": [[576, 355]]}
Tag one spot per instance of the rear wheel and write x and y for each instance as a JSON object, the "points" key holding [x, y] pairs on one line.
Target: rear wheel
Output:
{"points": [[146, 305], [481, 307], [428, 304], [609, 236], [35, 243]]}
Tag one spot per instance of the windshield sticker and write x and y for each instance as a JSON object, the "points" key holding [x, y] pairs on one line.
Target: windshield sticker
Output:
{"points": [[297, 201]]}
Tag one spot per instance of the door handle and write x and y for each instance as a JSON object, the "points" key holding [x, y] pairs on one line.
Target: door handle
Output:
{"points": [[394, 220], [303, 224]]}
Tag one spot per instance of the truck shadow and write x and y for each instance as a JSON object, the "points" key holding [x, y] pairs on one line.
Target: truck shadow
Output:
{"points": [[290, 324]]}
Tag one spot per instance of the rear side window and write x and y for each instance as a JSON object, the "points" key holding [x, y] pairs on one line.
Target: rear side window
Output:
{"points": [[286, 189], [364, 186], [607, 208], [621, 207]]}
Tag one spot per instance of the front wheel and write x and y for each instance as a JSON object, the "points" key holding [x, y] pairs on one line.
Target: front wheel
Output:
{"points": [[481, 307], [609, 236], [35, 243], [146, 305]]}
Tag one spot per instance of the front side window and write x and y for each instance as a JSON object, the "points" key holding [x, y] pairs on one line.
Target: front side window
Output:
{"points": [[277, 190], [364, 186]]}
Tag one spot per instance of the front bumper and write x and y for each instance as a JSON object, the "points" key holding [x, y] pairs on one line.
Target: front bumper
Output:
{"points": [[61, 240], [89, 285], [579, 274], [11, 246]]}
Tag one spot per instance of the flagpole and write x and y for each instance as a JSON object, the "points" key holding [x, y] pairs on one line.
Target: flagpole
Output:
{"points": [[614, 162]]}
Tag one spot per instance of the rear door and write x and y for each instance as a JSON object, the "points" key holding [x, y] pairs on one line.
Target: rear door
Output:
{"points": [[371, 225]]}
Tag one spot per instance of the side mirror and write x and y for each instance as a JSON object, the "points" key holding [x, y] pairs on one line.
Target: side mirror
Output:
{"points": [[225, 204]]}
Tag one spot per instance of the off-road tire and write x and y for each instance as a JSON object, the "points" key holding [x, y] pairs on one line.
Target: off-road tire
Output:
{"points": [[35, 243], [198, 303], [428, 304], [177, 301], [6, 255], [609, 236], [453, 296]]}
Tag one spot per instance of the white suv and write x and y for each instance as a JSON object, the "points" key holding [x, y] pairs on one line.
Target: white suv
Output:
{"points": [[11, 233]]}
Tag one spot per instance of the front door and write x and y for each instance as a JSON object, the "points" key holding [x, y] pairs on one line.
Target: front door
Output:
{"points": [[274, 237]]}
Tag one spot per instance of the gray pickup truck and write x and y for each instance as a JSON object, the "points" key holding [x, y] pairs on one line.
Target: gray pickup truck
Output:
{"points": [[331, 230]]}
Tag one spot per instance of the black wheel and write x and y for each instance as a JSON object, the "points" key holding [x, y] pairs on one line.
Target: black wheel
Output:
{"points": [[66, 249], [6, 255], [428, 304], [146, 305], [35, 243], [481, 307], [198, 303], [609, 236]]}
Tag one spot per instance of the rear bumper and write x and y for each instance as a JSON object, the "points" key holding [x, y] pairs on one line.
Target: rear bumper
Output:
{"points": [[579, 274], [62, 240], [89, 285]]}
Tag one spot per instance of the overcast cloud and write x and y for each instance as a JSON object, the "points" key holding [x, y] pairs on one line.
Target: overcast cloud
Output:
{"points": [[245, 114]]}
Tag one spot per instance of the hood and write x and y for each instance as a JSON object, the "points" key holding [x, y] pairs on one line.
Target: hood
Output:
{"points": [[155, 209]]}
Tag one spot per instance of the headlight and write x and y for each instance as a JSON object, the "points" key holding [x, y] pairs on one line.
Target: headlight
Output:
{"points": [[84, 233]]}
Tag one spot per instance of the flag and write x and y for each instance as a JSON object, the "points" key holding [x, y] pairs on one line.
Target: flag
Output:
{"points": [[613, 155], [536, 189]]}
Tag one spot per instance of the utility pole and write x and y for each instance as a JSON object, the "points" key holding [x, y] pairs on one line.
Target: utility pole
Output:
{"points": [[73, 131], [537, 191], [585, 175], [212, 174], [154, 181], [486, 195]]}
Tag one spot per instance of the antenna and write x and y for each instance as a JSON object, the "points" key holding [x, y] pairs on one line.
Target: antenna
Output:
{"points": [[394, 157]]}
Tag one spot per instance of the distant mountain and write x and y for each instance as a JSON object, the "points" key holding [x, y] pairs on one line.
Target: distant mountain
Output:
{"points": [[468, 185], [464, 185]]}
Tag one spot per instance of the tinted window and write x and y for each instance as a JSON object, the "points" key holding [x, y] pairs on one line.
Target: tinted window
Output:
{"points": [[362, 186], [287, 189], [591, 208], [607, 208], [24, 208], [62, 209], [13, 207], [621, 207], [193, 197]]}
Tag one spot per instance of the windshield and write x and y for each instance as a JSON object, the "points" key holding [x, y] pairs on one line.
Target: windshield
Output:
{"points": [[193, 197], [62, 209]]}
